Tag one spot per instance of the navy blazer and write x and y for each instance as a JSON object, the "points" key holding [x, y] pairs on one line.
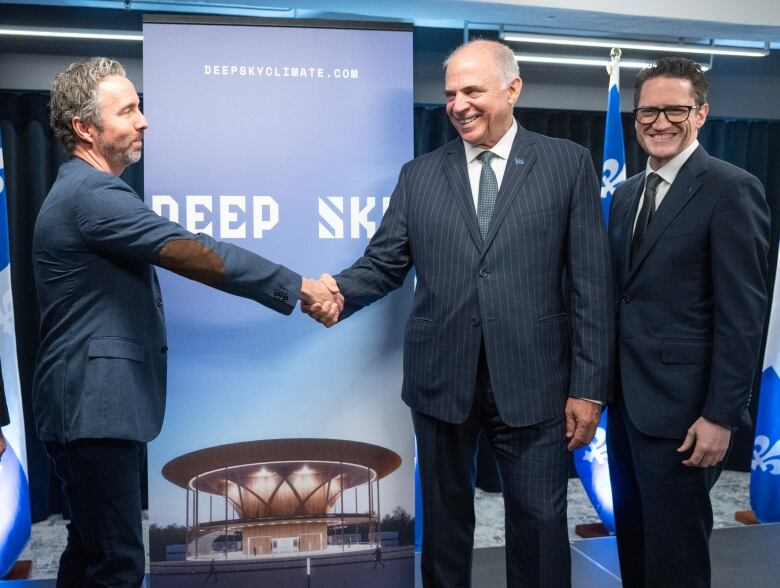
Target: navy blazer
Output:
{"points": [[101, 366], [537, 290], [691, 309]]}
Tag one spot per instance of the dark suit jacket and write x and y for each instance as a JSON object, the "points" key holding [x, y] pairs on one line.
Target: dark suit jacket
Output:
{"points": [[546, 338], [101, 366], [691, 310], [3, 407]]}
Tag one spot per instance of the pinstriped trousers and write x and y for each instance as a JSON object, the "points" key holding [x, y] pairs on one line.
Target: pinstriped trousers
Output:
{"points": [[533, 464]]}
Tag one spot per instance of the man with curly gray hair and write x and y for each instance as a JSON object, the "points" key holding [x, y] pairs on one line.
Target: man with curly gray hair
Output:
{"points": [[100, 378]]}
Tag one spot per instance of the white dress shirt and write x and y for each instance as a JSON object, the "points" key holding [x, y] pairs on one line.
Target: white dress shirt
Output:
{"points": [[668, 174], [500, 149]]}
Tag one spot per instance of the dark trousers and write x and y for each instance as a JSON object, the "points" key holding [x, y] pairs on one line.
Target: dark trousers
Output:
{"points": [[533, 464], [102, 483], [663, 514]]}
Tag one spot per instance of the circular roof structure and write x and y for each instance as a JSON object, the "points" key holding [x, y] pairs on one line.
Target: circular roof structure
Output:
{"points": [[185, 468], [282, 477]]}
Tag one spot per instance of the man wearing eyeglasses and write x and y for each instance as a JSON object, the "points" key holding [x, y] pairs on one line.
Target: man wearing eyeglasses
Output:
{"points": [[689, 238]]}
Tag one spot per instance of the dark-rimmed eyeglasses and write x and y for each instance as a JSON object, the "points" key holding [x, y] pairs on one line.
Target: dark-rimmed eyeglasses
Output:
{"points": [[674, 114]]}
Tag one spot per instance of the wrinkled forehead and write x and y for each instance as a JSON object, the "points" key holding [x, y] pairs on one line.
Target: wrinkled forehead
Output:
{"points": [[116, 90], [470, 69]]}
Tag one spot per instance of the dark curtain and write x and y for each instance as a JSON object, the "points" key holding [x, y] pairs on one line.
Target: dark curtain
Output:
{"points": [[32, 157]]}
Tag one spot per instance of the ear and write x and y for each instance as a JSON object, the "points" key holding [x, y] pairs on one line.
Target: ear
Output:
{"points": [[84, 130], [701, 115], [514, 89]]}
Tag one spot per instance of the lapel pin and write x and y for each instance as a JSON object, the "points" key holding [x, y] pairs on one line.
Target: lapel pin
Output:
{"points": [[519, 161]]}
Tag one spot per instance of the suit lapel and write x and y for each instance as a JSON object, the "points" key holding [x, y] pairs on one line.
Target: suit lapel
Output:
{"points": [[521, 159], [685, 186], [456, 171]]}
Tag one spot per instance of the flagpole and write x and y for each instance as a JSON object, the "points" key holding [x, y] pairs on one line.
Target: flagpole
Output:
{"points": [[591, 462]]}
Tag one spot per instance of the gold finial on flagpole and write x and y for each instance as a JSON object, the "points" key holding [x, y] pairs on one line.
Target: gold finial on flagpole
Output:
{"points": [[614, 57]]}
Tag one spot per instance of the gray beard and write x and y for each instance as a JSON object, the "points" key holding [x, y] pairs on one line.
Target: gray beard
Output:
{"points": [[118, 156]]}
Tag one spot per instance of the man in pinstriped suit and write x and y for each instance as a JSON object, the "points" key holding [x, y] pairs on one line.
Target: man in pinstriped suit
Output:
{"points": [[511, 328]]}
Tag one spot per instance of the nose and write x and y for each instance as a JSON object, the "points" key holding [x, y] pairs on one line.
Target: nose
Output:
{"points": [[459, 103], [142, 122], [662, 121]]}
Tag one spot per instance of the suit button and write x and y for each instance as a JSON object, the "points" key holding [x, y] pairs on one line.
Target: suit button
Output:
{"points": [[164, 349], [483, 273], [475, 321], [625, 300], [280, 294]]}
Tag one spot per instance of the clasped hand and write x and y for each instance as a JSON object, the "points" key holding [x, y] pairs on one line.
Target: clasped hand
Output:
{"points": [[322, 300]]}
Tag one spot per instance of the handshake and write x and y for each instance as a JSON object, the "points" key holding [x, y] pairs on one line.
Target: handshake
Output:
{"points": [[321, 299]]}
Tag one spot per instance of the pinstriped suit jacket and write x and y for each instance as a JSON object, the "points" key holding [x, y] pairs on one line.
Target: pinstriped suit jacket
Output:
{"points": [[538, 289]]}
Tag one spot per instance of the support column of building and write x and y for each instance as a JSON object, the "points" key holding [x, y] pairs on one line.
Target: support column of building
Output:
{"points": [[370, 508], [187, 526], [341, 499], [196, 515], [226, 512], [378, 510]]}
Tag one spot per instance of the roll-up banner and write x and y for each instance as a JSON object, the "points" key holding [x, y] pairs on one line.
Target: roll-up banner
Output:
{"points": [[286, 457]]}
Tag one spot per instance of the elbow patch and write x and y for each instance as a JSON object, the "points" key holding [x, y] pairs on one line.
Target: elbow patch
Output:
{"points": [[193, 260]]}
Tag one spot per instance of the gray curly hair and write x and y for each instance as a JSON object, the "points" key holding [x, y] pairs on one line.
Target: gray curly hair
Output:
{"points": [[74, 93]]}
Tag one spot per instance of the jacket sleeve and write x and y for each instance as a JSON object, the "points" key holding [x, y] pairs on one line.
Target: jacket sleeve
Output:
{"points": [[386, 260], [114, 220], [739, 242], [591, 291]]}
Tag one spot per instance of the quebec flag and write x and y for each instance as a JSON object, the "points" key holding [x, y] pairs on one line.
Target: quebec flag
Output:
{"points": [[765, 476], [591, 461], [14, 491], [613, 171]]}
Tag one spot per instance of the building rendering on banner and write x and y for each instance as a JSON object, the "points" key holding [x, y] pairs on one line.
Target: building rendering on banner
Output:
{"points": [[286, 495]]}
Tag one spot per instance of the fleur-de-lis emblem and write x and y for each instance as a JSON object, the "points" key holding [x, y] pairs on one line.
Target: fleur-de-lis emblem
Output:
{"points": [[597, 449], [765, 457], [611, 176], [6, 313]]}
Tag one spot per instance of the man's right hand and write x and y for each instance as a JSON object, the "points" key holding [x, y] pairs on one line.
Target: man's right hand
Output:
{"points": [[2, 443], [322, 300]]}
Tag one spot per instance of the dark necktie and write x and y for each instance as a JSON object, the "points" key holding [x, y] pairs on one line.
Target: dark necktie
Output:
{"points": [[488, 192], [646, 214]]}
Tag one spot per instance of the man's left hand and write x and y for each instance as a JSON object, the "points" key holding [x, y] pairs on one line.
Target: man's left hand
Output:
{"points": [[582, 419], [710, 442]]}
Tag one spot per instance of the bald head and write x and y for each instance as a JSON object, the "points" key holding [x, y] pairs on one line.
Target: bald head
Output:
{"points": [[498, 54]]}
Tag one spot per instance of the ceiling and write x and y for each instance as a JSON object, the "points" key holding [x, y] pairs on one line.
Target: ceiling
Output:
{"points": [[752, 21]]}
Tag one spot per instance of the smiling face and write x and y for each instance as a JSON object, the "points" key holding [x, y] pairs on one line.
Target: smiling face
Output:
{"points": [[479, 101], [663, 140]]}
